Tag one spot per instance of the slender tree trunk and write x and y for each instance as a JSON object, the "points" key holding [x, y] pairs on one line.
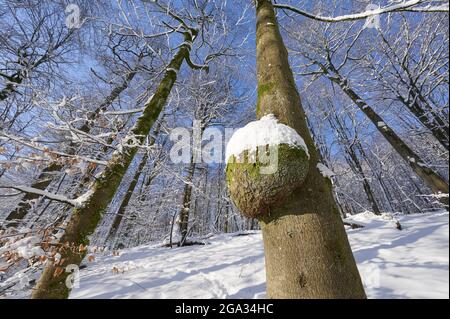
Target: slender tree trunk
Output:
{"points": [[366, 185], [385, 190], [370, 194], [435, 182], [126, 200], [376, 174], [429, 119], [187, 195], [186, 207], [321, 149], [43, 181], [353, 159], [227, 209], [48, 174], [130, 191], [84, 220], [307, 250]]}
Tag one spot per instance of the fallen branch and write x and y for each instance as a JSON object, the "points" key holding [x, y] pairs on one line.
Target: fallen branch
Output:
{"points": [[353, 225]]}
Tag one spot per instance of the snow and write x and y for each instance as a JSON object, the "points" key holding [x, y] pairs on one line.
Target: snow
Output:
{"points": [[172, 70], [28, 252], [78, 202], [412, 263], [325, 171], [81, 200], [266, 131], [188, 43], [228, 267], [411, 5], [125, 112], [26, 248]]}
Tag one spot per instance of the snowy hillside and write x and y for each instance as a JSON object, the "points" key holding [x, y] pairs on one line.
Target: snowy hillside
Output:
{"points": [[412, 263]]}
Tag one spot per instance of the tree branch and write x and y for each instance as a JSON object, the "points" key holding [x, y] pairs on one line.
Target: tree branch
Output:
{"points": [[409, 6], [31, 190]]}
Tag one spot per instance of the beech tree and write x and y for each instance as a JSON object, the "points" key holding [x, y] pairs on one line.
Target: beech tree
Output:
{"points": [[91, 206], [303, 233], [349, 119], [131, 188]]}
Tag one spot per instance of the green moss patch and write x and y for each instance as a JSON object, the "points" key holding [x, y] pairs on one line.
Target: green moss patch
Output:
{"points": [[253, 191]]}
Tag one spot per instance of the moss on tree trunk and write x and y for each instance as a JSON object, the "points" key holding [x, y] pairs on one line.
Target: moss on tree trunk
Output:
{"points": [[48, 174], [84, 220], [307, 251]]}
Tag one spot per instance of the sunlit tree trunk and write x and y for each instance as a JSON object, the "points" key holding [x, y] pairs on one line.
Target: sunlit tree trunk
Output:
{"points": [[84, 220], [307, 250]]}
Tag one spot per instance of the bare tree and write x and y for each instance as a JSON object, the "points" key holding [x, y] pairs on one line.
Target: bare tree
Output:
{"points": [[332, 56]]}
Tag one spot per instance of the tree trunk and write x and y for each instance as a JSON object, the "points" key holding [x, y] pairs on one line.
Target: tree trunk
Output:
{"points": [[129, 193], [84, 220], [22, 209], [126, 200], [186, 207], [48, 173], [428, 118], [227, 209], [307, 250], [352, 157], [357, 169], [435, 182]]}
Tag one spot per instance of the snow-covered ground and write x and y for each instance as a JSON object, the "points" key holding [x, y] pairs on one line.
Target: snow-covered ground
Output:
{"points": [[412, 263]]}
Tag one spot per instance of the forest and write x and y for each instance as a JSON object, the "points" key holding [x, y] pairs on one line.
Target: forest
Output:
{"points": [[225, 149]]}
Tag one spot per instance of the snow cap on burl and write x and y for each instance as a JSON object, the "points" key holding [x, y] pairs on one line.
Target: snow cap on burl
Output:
{"points": [[266, 162]]}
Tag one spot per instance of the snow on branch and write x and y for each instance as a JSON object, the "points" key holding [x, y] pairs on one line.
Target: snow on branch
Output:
{"points": [[77, 202], [31, 190], [125, 112], [410, 6], [325, 171], [8, 137]]}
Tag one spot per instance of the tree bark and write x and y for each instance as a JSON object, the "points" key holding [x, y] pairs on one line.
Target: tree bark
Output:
{"points": [[84, 220], [185, 209], [43, 181], [428, 118], [130, 191], [47, 175], [307, 250], [126, 200], [353, 159], [435, 182]]}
